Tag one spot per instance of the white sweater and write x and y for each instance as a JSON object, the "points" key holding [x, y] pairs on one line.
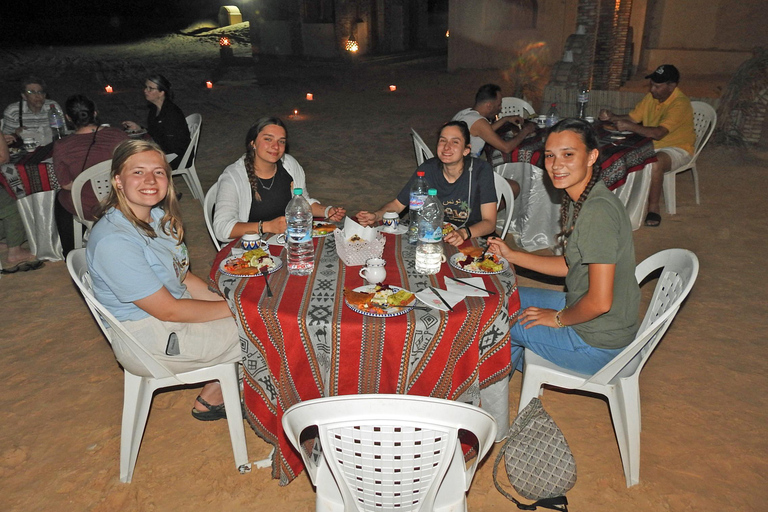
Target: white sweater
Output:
{"points": [[234, 196]]}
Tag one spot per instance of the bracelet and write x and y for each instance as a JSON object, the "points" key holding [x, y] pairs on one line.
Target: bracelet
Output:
{"points": [[557, 319], [469, 233], [327, 209], [261, 228]]}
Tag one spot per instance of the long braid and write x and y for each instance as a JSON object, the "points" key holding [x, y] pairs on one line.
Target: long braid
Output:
{"points": [[250, 171], [568, 229]]}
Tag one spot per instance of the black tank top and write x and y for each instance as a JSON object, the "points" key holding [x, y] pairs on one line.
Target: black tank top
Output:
{"points": [[274, 200]]}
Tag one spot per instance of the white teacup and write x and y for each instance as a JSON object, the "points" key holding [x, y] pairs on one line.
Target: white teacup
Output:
{"points": [[390, 220], [589, 119], [541, 121], [251, 240], [374, 271]]}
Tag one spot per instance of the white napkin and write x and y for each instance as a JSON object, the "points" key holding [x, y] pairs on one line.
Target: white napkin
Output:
{"points": [[458, 286], [352, 228], [430, 299]]}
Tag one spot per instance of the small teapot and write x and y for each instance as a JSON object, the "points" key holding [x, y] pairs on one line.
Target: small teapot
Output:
{"points": [[374, 271]]}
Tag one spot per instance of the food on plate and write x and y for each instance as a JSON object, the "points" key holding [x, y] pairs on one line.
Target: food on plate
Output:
{"points": [[253, 262], [447, 228], [322, 229], [489, 263], [610, 127], [379, 299], [471, 251]]}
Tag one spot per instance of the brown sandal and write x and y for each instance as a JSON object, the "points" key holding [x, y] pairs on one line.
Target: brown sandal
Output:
{"points": [[214, 412]]}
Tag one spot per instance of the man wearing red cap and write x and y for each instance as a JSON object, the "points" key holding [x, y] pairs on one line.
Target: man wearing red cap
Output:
{"points": [[665, 115]]}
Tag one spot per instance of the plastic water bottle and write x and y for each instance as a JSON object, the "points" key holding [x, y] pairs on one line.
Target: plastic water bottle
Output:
{"points": [[583, 99], [429, 252], [552, 117], [301, 250], [417, 198], [56, 121]]}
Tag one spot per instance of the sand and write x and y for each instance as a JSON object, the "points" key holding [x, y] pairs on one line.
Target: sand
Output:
{"points": [[703, 391]]}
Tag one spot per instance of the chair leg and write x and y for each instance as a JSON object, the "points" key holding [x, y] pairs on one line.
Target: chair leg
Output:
{"points": [[78, 229], [231, 391], [531, 388], [670, 198], [137, 398], [624, 401], [696, 183]]}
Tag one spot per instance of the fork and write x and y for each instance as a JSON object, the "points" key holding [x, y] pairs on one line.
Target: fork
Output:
{"points": [[266, 281]]}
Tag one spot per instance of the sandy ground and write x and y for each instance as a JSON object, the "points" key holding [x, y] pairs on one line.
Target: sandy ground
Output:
{"points": [[703, 392]]}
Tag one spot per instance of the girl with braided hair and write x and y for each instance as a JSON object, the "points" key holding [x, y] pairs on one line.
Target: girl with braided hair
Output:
{"points": [[254, 191], [584, 327]]}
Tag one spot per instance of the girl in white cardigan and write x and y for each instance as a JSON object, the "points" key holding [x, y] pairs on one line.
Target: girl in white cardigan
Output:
{"points": [[254, 191]]}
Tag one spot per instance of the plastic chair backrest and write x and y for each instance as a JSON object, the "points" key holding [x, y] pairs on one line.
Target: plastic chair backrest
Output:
{"points": [[208, 204], [504, 190], [121, 340], [194, 122], [403, 445], [704, 122], [511, 106], [99, 177], [679, 270], [420, 148]]}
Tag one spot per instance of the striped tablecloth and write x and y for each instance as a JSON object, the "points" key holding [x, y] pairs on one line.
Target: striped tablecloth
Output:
{"points": [[304, 343], [29, 173]]}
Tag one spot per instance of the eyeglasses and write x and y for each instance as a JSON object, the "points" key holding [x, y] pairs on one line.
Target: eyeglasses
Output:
{"points": [[148, 88], [36, 93]]}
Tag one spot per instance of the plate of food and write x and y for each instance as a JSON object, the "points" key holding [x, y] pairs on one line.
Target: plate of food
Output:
{"points": [[490, 264], [252, 263], [611, 128], [322, 229], [448, 227], [379, 300]]}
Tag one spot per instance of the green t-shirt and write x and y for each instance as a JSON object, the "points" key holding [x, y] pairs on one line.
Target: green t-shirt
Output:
{"points": [[603, 234]]}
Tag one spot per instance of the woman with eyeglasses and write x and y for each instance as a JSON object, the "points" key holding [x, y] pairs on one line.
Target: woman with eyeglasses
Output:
{"points": [[30, 112], [166, 123], [87, 146], [464, 185]]}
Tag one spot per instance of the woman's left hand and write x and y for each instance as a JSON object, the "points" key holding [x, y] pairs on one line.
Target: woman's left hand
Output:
{"points": [[454, 238], [336, 213], [538, 316]]}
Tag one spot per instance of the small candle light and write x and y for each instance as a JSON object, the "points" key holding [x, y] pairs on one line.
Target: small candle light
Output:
{"points": [[295, 113], [392, 88], [209, 84], [310, 96], [108, 88], [224, 42]]}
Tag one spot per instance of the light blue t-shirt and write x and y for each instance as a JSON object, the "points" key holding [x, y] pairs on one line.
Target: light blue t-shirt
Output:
{"points": [[126, 265]]}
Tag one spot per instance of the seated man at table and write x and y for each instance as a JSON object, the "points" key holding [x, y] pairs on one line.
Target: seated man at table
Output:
{"points": [[482, 131], [665, 115], [11, 227], [31, 111]]}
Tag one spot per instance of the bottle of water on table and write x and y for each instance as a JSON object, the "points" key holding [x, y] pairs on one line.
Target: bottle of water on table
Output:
{"points": [[301, 250], [429, 251], [552, 117], [417, 198], [583, 99], [56, 122]]}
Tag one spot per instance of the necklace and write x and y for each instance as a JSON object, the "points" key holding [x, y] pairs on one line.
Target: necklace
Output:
{"points": [[271, 182]]}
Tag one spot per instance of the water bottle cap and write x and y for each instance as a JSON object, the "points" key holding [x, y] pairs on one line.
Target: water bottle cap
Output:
{"points": [[432, 192], [298, 191], [420, 173]]}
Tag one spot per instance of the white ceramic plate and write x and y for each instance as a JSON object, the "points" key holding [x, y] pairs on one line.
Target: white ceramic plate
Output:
{"points": [[278, 265], [401, 229], [388, 310], [456, 260]]}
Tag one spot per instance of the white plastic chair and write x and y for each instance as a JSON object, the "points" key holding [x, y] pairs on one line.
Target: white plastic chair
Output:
{"points": [[389, 452], [504, 190], [511, 106], [208, 204], [619, 379], [187, 168], [99, 177], [420, 148], [142, 380], [704, 121]]}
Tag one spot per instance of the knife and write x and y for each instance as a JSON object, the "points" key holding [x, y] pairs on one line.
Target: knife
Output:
{"points": [[441, 298], [473, 286]]}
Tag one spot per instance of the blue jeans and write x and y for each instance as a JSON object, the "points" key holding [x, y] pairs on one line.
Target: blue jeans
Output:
{"points": [[562, 346]]}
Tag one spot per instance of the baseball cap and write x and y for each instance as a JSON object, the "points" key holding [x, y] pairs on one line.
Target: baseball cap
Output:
{"points": [[665, 73]]}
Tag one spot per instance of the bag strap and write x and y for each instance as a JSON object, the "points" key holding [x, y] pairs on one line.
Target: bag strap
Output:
{"points": [[557, 503]]}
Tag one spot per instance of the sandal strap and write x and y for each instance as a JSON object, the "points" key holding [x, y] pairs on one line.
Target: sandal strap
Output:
{"points": [[212, 408]]}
